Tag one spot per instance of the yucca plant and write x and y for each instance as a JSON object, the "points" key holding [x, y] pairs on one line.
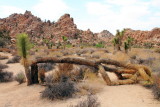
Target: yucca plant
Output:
{"points": [[24, 46], [117, 41], [128, 44], [126, 47]]}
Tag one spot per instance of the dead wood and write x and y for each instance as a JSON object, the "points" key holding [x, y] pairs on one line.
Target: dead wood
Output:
{"points": [[101, 65]]}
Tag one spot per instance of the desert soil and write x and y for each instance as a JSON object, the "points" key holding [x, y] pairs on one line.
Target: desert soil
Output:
{"points": [[14, 95]]}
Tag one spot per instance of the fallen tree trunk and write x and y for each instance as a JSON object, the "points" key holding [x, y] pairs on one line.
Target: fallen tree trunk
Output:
{"points": [[100, 65]]}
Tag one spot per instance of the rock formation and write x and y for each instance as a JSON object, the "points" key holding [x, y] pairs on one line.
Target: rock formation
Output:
{"points": [[39, 30], [142, 37]]}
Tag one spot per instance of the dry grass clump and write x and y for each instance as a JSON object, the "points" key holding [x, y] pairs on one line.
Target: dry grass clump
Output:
{"points": [[61, 90], [85, 88], [3, 57], [49, 79], [157, 50], [92, 84], [91, 101], [68, 71], [15, 59], [3, 66], [5, 76], [20, 78], [156, 87], [63, 70], [46, 66]]}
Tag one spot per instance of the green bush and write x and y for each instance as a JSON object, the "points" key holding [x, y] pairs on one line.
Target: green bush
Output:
{"points": [[100, 45], [20, 78]]}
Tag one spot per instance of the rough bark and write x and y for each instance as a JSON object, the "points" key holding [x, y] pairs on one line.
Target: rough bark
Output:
{"points": [[100, 64]]}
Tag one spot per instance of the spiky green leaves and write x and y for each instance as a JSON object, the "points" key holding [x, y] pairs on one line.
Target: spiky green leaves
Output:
{"points": [[23, 44], [64, 38]]}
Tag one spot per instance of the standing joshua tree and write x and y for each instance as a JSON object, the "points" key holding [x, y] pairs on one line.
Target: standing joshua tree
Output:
{"points": [[128, 44], [24, 46], [117, 41]]}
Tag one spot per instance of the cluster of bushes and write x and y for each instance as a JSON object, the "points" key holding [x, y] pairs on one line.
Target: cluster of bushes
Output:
{"points": [[60, 90], [15, 59], [20, 78], [148, 45], [3, 66], [67, 70], [46, 66], [4, 75], [100, 45]]}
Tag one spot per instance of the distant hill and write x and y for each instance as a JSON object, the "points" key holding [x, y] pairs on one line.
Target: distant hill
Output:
{"points": [[39, 30]]}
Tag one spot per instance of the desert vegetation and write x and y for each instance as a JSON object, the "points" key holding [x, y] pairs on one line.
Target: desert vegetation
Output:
{"points": [[77, 65]]}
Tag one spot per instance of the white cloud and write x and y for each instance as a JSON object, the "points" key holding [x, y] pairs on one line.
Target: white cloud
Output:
{"points": [[119, 14], [155, 2], [5, 11], [121, 2], [50, 9], [96, 8]]}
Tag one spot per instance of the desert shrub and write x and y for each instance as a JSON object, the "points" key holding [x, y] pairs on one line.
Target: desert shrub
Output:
{"points": [[20, 78], [148, 45], [49, 79], [15, 59], [147, 61], [157, 50], [91, 101], [83, 51], [46, 66], [60, 90], [100, 45], [63, 70], [68, 45], [3, 66], [74, 73], [2, 42], [156, 87], [41, 75], [5, 76]]}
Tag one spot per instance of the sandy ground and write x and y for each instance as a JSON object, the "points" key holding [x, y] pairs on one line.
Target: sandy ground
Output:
{"points": [[14, 95]]}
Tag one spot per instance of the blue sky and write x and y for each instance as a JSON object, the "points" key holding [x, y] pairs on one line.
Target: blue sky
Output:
{"points": [[96, 15]]}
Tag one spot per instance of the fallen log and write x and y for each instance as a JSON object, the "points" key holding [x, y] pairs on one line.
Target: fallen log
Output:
{"points": [[101, 66]]}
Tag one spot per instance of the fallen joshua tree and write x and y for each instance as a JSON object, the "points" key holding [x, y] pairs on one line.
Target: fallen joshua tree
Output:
{"points": [[135, 73]]}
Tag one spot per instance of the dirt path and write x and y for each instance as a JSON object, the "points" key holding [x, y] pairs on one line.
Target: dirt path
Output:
{"points": [[14, 95], [127, 96]]}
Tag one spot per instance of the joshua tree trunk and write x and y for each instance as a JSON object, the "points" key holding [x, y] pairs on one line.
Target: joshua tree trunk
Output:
{"points": [[117, 47], [134, 70], [27, 72]]}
